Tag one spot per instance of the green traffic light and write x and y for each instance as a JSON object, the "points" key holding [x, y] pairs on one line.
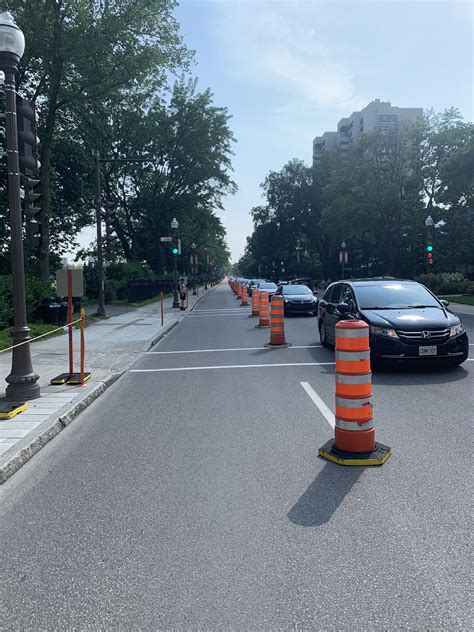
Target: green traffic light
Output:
{"points": [[175, 251], [429, 248]]}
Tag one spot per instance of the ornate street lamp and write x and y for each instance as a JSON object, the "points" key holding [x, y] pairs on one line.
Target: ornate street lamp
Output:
{"points": [[22, 381]]}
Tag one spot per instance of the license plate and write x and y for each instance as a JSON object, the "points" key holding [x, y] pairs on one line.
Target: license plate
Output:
{"points": [[427, 351]]}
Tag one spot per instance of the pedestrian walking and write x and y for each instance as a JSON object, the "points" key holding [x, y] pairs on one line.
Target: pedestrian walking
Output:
{"points": [[183, 293]]}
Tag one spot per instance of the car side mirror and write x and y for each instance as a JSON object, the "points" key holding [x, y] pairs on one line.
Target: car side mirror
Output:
{"points": [[445, 303], [343, 308]]}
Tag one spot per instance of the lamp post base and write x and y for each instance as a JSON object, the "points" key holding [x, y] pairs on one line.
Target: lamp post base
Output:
{"points": [[176, 300], [22, 388]]}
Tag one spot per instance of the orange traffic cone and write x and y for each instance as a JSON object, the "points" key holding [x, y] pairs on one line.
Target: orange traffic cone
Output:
{"points": [[277, 332], [255, 303], [354, 436], [264, 309]]}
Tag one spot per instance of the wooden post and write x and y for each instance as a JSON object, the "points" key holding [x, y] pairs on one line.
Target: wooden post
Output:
{"points": [[162, 309], [82, 346]]}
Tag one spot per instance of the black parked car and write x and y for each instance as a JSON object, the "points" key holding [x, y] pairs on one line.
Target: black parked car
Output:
{"points": [[298, 299], [407, 322]]}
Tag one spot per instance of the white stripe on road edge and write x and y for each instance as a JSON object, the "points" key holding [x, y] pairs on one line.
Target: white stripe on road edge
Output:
{"points": [[221, 309], [239, 349], [214, 315], [328, 415], [231, 366]]}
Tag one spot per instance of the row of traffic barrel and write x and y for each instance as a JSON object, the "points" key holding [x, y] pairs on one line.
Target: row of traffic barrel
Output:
{"points": [[269, 312], [354, 433]]}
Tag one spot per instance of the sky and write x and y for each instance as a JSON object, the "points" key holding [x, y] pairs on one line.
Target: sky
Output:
{"points": [[288, 70]]}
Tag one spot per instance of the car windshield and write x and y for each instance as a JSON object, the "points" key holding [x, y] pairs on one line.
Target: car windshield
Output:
{"points": [[296, 289], [267, 286], [394, 296]]}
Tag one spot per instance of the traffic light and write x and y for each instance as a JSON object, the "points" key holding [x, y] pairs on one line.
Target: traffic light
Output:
{"points": [[429, 250], [33, 227], [176, 246], [27, 139], [29, 167]]}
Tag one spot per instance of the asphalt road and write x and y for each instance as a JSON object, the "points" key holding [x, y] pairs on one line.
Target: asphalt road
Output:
{"points": [[194, 498]]}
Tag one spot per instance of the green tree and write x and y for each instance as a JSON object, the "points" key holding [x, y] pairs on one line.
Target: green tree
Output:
{"points": [[83, 55]]}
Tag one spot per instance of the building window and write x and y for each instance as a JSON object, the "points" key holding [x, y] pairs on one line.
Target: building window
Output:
{"points": [[388, 118]]}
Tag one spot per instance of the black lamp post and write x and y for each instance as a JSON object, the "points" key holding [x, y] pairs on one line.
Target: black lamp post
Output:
{"points": [[193, 266], [343, 256], [206, 258], [22, 381], [174, 226]]}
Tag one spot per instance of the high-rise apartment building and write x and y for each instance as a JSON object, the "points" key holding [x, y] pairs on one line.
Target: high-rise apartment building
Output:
{"points": [[377, 116]]}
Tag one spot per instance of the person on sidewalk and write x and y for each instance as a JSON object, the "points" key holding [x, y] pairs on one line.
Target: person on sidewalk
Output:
{"points": [[183, 292]]}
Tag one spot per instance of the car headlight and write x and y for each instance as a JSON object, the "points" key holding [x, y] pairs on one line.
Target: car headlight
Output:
{"points": [[381, 331], [455, 330]]}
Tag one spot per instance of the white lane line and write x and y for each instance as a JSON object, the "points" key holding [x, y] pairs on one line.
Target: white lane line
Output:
{"points": [[232, 366], [324, 410], [215, 315], [221, 309], [239, 349]]}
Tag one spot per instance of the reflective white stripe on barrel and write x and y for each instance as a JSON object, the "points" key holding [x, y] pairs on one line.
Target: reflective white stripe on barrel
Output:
{"points": [[347, 402], [353, 379], [352, 356], [354, 425], [352, 333]]}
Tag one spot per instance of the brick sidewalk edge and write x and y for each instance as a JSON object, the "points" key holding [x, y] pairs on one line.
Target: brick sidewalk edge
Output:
{"points": [[59, 422]]}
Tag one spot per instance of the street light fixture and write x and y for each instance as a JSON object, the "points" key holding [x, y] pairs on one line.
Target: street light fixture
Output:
{"points": [[22, 381], [429, 221], [174, 226]]}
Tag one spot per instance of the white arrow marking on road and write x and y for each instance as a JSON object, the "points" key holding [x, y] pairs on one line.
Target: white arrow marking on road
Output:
{"points": [[327, 414], [239, 349], [232, 366]]}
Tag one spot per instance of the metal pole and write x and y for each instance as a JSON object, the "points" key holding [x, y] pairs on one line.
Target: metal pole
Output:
{"points": [[22, 381], [175, 281], [98, 219]]}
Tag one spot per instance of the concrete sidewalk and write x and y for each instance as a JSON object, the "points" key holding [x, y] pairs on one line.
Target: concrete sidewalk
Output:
{"points": [[112, 345]]}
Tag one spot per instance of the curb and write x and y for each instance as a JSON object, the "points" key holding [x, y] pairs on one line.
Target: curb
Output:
{"points": [[58, 423], [44, 436]]}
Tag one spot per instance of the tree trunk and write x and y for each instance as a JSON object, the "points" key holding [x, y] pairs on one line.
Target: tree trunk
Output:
{"points": [[47, 141]]}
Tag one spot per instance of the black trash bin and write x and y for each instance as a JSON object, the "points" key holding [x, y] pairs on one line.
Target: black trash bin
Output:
{"points": [[63, 309], [50, 311]]}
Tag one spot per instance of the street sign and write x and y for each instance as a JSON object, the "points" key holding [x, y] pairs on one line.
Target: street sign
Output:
{"points": [[343, 256], [166, 238], [77, 279]]}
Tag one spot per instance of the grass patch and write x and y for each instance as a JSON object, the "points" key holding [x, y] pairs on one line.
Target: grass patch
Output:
{"points": [[36, 330], [464, 300]]}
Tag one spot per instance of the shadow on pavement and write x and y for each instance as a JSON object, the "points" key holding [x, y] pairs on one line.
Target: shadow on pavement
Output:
{"points": [[413, 376], [322, 498]]}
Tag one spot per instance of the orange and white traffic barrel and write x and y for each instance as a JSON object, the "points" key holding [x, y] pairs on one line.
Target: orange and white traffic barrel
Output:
{"points": [[264, 309], [354, 434], [239, 291], [277, 323], [255, 302], [244, 296]]}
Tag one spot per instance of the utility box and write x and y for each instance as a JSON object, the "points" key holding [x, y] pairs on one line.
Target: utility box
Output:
{"points": [[77, 282]]}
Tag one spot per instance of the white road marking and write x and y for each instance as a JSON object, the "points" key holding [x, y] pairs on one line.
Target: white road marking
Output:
{"points": [[215, 315], [324, 410], [232, 366], [222, 309], [239, 349]]}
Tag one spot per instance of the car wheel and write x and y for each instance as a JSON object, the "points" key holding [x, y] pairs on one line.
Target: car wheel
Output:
{"points": [[323, 336]]}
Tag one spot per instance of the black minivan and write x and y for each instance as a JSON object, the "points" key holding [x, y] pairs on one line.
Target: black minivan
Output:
{"points": [[407, 322]]}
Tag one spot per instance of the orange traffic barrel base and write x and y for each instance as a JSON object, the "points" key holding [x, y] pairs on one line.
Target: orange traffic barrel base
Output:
{"points": [[378, 456], [262, 326], [283, 345]]}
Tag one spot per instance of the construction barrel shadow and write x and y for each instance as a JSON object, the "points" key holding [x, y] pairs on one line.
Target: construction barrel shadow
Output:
{"points": [[322, 498]]}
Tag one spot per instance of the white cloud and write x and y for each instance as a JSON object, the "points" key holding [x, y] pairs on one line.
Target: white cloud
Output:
{"points": [[287, 47]]}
